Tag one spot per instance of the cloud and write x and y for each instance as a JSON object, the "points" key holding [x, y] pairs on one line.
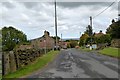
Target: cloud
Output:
{"points": [[30, 4], [8, 5], [78, 4], [35, 17], [25, 17]]}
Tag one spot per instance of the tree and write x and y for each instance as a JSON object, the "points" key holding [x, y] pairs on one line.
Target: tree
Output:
{"points": [[0, 40], [54, 37], [114, 30], [83, 39], [113, 20], [107, 38], [89, 30], [73, 43], [90, 39], [67, 40], [11, 37], [104, 38]]}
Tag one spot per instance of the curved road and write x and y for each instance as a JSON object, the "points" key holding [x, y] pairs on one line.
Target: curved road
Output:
{"points": [[73, 63]]}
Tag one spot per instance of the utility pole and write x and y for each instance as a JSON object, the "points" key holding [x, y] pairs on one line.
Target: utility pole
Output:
{"points": [[91, 34], [91, 21], [56, 25], [61, 37], [61, 41], [79, 37]]}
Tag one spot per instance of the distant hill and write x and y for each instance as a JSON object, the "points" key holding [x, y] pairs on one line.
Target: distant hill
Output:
{"points": [[64, 39]]}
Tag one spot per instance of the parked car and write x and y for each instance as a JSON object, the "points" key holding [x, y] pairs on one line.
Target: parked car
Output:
{"points": [[56, 47], [64, 47]]}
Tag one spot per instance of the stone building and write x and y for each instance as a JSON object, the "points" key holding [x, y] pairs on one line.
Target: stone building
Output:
{"points": [[99, 34], [43, 42]]}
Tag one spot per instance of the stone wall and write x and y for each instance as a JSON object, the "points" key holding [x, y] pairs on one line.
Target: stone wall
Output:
{"points": [[115, 43], [14, 60]]}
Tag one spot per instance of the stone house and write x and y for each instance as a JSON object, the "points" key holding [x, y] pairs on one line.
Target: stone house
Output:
{"points": [[43, 42], [99, 34]]}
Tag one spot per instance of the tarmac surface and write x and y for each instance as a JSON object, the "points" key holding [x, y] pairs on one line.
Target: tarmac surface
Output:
{"points": [[73, 63]]}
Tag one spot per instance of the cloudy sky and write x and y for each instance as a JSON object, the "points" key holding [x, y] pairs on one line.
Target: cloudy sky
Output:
{"points": [[73, 17]]}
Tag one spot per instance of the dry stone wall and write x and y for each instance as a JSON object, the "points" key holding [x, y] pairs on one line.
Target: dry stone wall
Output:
{"points": [[14, 60], [115, 43]]}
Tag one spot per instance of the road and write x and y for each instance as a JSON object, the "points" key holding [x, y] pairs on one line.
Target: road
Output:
{"points": [[73, 63]]}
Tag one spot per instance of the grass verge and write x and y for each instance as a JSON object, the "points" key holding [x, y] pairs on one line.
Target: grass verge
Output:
{"points": [[36, 65], [85, 49], [110, 51], [0, 69]]}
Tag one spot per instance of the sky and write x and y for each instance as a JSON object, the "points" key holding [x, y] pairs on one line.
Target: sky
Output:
{"points": [[33, 18]]}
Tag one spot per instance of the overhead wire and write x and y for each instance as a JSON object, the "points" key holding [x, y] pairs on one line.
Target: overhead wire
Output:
{"points": [[105, 9]]}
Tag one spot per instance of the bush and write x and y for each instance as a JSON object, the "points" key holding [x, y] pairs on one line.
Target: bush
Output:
{"points": [[73, 44]]}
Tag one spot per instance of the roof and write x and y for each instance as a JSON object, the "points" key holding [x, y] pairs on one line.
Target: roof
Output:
{"points": [[99, 34]]}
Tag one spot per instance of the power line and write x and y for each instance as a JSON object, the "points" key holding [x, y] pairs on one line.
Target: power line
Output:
{"points": [[105, 9]]}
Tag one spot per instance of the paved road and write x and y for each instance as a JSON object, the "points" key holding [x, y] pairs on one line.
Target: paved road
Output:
{"points": [[72, 63]]}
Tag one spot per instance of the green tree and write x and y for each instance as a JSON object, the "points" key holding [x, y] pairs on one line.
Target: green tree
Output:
{"points": [[114, 30], [0, 40], [54, 37], [68, 45], [105, 38], [73, 43], [89, 30], [90, 39], [11, 37], [83, 39]]}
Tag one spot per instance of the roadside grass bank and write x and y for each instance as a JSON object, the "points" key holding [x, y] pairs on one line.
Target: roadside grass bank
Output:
{"points": [[36, 65], [0, 69], [85, 49], [111, 51]]}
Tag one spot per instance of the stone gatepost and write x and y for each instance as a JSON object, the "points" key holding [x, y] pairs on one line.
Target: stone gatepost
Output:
{"points": [[6, 63], [12, 62], [17, 59]]}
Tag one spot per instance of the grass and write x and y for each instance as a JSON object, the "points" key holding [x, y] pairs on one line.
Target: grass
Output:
{"points": [[0, 76], [38, 64], [0, 69], [110, 51], [85, 49]]}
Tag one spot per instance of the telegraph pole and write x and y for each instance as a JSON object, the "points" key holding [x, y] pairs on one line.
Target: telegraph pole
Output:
{"points": [[91, 21], [56, 25], [91, 34], [61, 41], [61, 37]]}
